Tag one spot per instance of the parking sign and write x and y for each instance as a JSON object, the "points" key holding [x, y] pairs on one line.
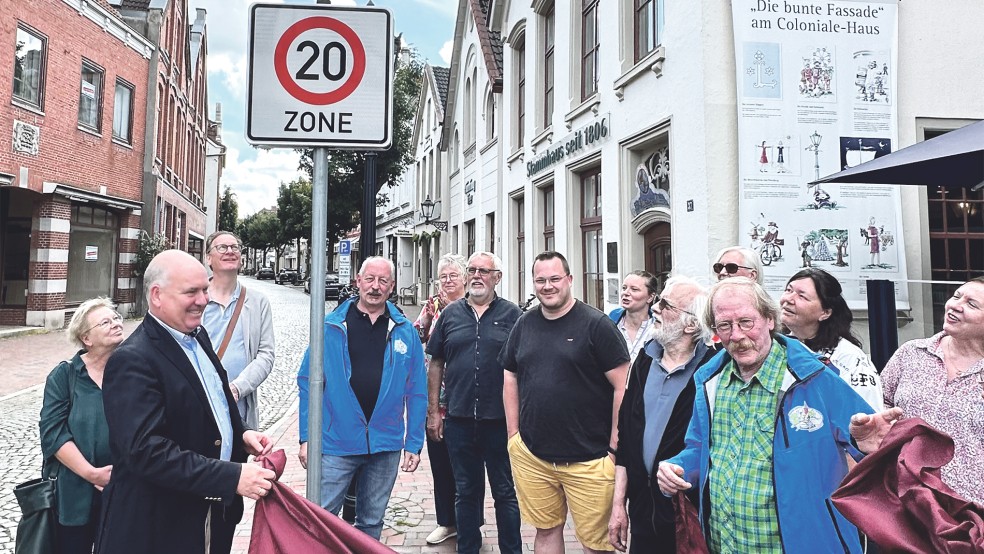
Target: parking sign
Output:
{"points": [[345, 247], [320, 76]]}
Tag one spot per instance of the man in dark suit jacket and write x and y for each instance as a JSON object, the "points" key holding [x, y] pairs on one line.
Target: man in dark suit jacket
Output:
{"points": [[178, 444]]}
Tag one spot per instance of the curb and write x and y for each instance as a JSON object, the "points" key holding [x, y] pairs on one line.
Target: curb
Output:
{"points": [[22, 331]]}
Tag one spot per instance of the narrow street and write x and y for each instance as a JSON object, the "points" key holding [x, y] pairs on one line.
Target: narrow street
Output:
{"points": [[26, 360]]}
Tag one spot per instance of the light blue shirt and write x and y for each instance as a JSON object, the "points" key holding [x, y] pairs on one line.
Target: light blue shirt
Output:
{"points": [[212, 383], [216, 320]]}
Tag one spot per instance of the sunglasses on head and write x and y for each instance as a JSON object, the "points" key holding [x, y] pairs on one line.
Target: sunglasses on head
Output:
{"points": [[730, 268]]}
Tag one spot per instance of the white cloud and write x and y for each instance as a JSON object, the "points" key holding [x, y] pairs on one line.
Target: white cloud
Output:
{"points": [[256, 180], [232, 71], [446, 7], [447, 49]]}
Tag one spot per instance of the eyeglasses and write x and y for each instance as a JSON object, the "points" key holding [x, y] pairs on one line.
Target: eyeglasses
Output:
{"points": [[663, 305], [449, 277], [554, 281], [115, 320], [725, 327], [731, 268], [481, 271], [223, 248]]}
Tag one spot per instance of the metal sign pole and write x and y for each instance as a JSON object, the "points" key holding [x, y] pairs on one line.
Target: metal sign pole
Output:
{"points": [[316, 378]]}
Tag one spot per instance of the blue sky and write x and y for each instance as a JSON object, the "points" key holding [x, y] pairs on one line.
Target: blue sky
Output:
{"points": [[255, 174]]}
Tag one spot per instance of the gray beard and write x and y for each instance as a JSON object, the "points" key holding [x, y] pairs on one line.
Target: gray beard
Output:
{"points": [[669, 334]]}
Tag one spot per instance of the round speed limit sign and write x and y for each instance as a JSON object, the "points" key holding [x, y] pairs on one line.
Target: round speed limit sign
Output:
{"points": [[320, 76]]}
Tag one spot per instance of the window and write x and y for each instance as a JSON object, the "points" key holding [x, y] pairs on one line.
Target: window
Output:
{"points": [[90, 96], [469, 238], [490, 117], [589, 48], [469, 114], [520, 58], [548, 67], [455, 151], [29, 66], [520, 250], [548, 218], [490, 231], [648, 25], [591, 238], [455, 247]]}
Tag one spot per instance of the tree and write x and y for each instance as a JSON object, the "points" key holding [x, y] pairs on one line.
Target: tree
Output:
{"points": [[346, 169], [228, 211], [265, 232], [294, 212]]}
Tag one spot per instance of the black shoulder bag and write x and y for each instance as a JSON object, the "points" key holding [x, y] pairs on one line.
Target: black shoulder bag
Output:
{"points": [[37, 528]]}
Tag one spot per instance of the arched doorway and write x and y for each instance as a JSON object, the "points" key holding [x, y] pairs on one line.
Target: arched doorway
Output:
{"points": [[659, 260]]}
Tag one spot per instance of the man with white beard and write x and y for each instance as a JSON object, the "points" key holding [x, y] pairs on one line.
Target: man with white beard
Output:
{"points": [[653, 418]]}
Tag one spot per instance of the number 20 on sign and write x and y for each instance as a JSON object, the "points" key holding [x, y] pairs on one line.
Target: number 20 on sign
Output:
{"points": [[320, 76]]}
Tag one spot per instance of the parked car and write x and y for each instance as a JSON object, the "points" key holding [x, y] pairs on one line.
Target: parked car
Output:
{"points": [[332, 286], [287, 276], [265, 273]]}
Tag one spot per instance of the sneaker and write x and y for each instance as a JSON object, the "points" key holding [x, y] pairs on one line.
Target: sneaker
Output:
{"points": [[441, 534]]}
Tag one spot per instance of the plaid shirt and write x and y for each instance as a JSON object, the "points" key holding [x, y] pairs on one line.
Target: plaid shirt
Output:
{"points": [[743, 498]]}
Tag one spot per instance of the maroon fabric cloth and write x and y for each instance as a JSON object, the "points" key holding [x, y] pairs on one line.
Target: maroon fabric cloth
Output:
{"points": [[285, 522], [897, 498], [689, 536]]}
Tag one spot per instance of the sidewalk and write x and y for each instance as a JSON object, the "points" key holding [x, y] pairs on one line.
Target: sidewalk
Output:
{"points": [[410, 514]]}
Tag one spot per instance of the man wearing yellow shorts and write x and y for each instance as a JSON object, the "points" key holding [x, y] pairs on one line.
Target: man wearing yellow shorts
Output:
{"points": [[565, 366]]}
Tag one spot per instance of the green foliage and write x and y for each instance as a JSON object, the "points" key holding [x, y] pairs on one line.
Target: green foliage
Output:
{"points": [[147, 249], [346, 169], [294, 208], [228, 211]]}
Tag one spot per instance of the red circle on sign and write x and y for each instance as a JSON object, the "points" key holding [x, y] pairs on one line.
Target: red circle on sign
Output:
{"points": [[320, 98]]}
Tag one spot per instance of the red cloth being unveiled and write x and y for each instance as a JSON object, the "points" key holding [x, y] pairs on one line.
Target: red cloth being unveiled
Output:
{"points": [[689, 536], [285, 522], [897, 498]]}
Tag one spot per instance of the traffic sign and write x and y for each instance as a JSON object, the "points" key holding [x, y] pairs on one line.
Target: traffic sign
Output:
{"points": [[320, 76], [345, 247]]}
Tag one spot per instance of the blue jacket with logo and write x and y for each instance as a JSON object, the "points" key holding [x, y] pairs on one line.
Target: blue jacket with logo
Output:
{"points": [[403, 390], [808, 461]]}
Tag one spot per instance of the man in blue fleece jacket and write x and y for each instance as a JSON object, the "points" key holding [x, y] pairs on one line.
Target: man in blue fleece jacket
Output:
{"points": [[767, 440]]}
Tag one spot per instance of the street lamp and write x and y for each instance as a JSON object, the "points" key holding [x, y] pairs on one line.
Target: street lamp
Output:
{"points": [[427, 209], [815, 147]]}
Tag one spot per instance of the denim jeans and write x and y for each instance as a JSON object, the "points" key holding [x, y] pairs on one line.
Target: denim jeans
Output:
{"points": [[477, 447], [376, 477]]}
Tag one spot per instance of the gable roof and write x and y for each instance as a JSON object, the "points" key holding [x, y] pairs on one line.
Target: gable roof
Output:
{"points": [[491, 46], [434, 83], [491, 42], [442, 78]]}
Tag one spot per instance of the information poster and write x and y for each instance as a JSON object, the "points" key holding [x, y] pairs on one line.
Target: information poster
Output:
{"points": [[817, 94]]}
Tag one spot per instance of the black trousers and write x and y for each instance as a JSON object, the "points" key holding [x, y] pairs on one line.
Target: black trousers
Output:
{"points": [[444, 494], [651, 524], [79, 539]]}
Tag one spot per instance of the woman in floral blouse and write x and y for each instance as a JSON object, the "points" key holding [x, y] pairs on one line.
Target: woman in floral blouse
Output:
{"points": [[451, 275], [941, 380]]}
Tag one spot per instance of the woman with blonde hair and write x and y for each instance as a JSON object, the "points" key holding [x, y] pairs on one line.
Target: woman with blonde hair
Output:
{"points": [[74, 434], [451, 280]]}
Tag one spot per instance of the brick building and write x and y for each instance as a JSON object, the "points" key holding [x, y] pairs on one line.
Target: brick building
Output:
{"points": [[174, 168], [73, 96]]}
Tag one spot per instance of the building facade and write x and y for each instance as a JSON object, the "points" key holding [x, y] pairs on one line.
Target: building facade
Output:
{"points": [[608, 132], [419, 241], [174, 193], [73, 98]]}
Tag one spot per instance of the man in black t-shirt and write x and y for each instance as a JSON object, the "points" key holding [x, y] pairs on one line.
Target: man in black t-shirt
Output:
{"points": [[565, 365]]}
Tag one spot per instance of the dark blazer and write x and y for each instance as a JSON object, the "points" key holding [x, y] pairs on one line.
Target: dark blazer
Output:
{"points": [[165, 447]]}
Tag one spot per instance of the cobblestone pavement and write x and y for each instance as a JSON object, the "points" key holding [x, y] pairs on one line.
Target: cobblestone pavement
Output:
{"points": [[25, 361]]}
